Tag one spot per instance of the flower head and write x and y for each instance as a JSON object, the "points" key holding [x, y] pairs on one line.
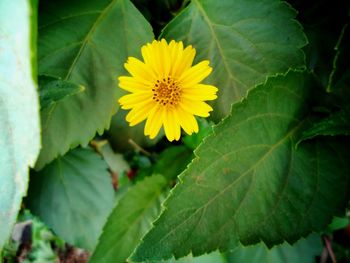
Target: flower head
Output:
{"points": [[166, 90]]}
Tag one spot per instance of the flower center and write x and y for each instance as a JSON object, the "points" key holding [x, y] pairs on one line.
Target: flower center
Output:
{"points": [[166, 92]]}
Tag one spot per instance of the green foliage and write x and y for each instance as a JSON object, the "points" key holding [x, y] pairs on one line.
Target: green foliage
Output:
{"points": [[244, 40], [80, 42], [273, 170], [249, 182], [130, 220], [19, 109], [73, 195]]}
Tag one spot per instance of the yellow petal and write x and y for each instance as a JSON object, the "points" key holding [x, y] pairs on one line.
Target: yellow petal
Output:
{"points": [[140, 70], [176, 50], [175, 124], [166, 59], [198, 108], [168, 125], [200, 92], [147, 55], [154, 122], [131, 100], [184, 62], [138, 114], [131, 84], [195, 74], [187, 121]]}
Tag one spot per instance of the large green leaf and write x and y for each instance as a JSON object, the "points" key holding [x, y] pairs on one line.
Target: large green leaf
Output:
{"points": [[19, 108], [244, 40], [85, 42], [129, 221], [304, 251], [249, 181], [74, 196]]}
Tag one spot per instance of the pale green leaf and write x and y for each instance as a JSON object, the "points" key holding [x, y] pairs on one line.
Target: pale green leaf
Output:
{"points": [[116, 162], [214, 257], [85, 42], [19, 108], [304, 251], [74, 196], [130, 220], [244, 40], [250, 183]]}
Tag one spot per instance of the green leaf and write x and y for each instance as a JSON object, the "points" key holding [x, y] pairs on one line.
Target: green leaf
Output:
{"points": [[304, 251], [73, 195], [244, 40], [53, 89], [87, 43], [129, 221], [340, 75], [249, 181], [19, 108], [336, 124]]}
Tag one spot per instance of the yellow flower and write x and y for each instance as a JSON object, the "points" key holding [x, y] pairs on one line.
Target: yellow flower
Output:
{"points": [[166, 90]]}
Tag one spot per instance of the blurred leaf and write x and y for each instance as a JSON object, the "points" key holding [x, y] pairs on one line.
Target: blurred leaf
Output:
{"points": [[245, 41], [172, 161], [73, 195], [19, 108], [339, 223], [304, 251], [214, 257], [340, 76], [336, 124], [322, 21], [85, 42], [129, 221], [194, 140], [120, 134], [250, 183], [53, 89]]}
